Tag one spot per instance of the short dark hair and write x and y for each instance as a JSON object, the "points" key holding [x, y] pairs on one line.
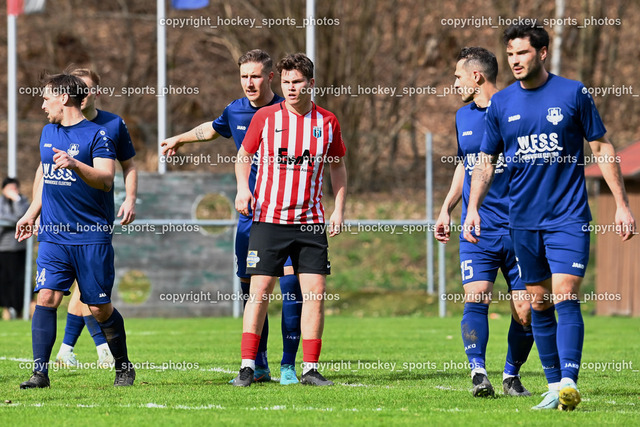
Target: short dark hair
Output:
{"points": [[9, 180], [66, 83], [296, 61], [258, 56], [538, 36], [486, 59]]}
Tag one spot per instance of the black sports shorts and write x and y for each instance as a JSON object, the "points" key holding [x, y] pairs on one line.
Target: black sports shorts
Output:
{"points": [[271, 244]]}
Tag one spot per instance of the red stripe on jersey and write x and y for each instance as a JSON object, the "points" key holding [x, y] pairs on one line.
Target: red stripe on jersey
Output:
{"points": [[294, 148], [268, 165], [309, 191], [300, 181], [260, 177]]}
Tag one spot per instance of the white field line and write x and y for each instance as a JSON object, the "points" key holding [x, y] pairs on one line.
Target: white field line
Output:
{"points": [[152, 405], [159, 367]]}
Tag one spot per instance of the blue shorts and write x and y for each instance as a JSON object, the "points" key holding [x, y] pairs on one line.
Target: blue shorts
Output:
{"points": [[481, 261], [91, 265], [242, 246], [542, 253]]}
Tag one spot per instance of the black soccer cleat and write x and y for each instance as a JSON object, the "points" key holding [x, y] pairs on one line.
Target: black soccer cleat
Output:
{"points": [[513, 387], [481, 386], [37, 380], [244, 378], [313, 377], [125, 378]]}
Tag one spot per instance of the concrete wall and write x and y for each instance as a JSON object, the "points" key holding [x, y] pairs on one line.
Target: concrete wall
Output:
{"points": [[179, 260]]}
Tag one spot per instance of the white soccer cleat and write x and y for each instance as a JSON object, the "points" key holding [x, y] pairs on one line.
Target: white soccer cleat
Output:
{"points": [[105, 359], [550, 401], [67, 359]]}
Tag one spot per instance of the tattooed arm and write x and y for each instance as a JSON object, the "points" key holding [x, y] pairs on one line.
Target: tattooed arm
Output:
{"points": [[480, 183], [203, 132]]}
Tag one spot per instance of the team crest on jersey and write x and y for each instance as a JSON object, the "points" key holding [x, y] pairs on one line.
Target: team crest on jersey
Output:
{"points": [[252, 259], [74, 150], [317, 132], [555, 115]]}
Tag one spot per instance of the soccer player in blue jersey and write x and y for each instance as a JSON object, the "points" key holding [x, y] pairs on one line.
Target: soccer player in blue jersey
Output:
{"points": [[78, 314], [476, 73], [255, 76], [75, 206], [540, 123]]}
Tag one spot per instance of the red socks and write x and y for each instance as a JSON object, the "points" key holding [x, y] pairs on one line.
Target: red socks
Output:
{"points": [[249, 345], [311, 350]]}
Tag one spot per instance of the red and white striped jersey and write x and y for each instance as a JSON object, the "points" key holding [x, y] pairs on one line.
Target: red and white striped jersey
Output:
{"points": [[291, 153]]}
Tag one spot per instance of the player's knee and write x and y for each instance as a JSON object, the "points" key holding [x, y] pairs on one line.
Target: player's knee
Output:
{"points": [[101, 312], [523, 318], [49, 298], [566, 290], [521, 308], [260, 288], [316, 288], [540, 304]]}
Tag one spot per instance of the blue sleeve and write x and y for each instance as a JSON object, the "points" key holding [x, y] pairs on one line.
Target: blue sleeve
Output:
{"points": [[124, 145], [592, 126], [458, 139], [103, 146], [492, 139], [221, 124]]}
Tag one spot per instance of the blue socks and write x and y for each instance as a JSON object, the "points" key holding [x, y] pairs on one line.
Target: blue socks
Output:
{"points": [[520, 341], [475, 333], [291, 312], [560, 348], [43, 336], [94, 330], [570, 337], [113, 329], [261, 358], [544, 332], [73, 329]]}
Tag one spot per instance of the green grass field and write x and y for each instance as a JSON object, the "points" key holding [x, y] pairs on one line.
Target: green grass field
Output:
{"points": [[388, 370]]}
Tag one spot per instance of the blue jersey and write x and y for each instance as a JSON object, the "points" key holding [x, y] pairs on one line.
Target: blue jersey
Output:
{"points": [[73, 213], [234, 121], [494, 212], [118, 132], [541, 132]]}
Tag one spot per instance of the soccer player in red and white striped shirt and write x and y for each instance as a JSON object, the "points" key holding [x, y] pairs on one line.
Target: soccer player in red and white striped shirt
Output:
{"points": [[293, 141]]}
